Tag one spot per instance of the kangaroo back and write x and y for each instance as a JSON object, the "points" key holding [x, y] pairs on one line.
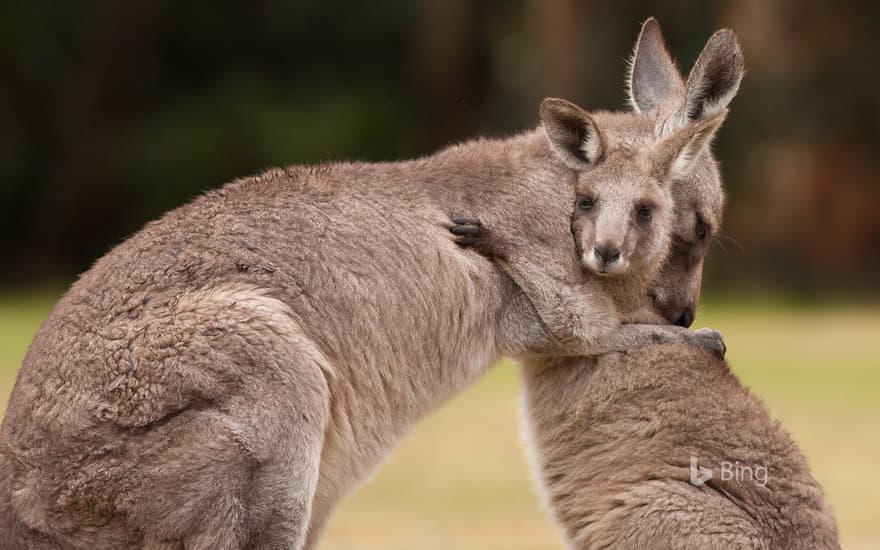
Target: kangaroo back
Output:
{"points": [[663, 447]]}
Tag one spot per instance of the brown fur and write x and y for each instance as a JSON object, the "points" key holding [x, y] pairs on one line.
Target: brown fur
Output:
{"points": [[657, 89], [623, 161], [224, 376], [613, 438]]}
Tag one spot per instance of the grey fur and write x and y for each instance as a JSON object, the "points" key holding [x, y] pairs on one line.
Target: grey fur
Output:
{"points": [[654, 82], [631, 168], [657, 89], [223, 377], [612, 440]]}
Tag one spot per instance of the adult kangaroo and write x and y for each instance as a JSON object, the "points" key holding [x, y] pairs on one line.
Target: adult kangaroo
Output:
{"points": [[662, 447], [224, 376]]}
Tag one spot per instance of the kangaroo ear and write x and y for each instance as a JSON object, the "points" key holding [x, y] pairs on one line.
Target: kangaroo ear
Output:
{"points": [[713, 81], [674, 155], [654, 79], [573, 134]]}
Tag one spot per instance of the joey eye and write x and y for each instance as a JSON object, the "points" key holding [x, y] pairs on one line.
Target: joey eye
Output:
{"points": [[702, 229], [585, 203], [645, 212]]}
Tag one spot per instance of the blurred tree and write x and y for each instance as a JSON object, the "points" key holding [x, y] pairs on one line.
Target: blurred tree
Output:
{"points": [[111, 113]]}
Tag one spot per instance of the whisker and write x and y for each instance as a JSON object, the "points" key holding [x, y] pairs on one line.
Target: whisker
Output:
{"points": [[734, 241], [717, 241]]}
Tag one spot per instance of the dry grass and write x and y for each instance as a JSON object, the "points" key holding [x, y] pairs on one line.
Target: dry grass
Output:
{"points": [[461, 481]]}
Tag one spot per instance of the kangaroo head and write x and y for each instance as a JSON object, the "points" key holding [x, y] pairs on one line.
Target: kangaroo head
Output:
{"points": [[623, 211], [656, 89]]}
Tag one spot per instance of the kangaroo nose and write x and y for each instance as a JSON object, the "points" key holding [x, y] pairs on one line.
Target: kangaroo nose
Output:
{"points": [[686, 319], [606, 252]]}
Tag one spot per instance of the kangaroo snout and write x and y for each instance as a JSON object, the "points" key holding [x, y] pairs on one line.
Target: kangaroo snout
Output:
{"points": [[686, 319], [607, 252], [606, 258], [677, 314]]}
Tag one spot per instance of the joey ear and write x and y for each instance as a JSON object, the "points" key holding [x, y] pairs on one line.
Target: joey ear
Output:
{"points": [[573, 134], [674, 155], [713, 82], [654, 79]]}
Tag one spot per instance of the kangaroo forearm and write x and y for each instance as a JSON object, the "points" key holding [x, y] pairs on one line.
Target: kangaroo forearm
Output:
{"points": [[574, 323], [621, 339], [521, 330], [564, 308], [635, 336]]}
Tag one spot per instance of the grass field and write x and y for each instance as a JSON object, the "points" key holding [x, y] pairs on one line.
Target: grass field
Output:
{"points": [[461, 482]]}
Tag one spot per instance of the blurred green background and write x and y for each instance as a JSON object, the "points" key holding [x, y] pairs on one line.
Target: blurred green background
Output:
{"points": [[113, 112]]}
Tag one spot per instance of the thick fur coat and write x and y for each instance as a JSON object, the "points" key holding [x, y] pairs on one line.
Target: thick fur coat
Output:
{"points": [[615, 441], [224, 376]]}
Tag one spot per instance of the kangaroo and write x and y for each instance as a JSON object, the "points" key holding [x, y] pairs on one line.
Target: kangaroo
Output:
{"points": [[620, 443], [657, 89], [630, 167], [621, 224], [224, 376], [663, 448]]}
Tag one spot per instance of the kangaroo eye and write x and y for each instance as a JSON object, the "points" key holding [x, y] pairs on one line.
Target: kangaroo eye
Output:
{"points": [[585, 203], [702, 229], [645, 212]]}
